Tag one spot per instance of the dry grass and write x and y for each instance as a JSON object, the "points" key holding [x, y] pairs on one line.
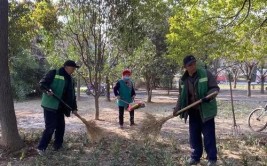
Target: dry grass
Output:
{"points": [[118, 147], [121, 151]]}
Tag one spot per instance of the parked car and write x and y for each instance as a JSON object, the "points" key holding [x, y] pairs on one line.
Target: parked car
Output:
{"points": [[90, 89], [221, 78], [258, 76]]}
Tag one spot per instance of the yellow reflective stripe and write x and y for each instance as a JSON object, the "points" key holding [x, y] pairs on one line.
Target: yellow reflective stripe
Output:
{"points": [[59, 77], [205, 79]]}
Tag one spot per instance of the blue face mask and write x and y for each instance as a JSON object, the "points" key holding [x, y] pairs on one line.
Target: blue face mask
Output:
{"points": [[126, 78]]}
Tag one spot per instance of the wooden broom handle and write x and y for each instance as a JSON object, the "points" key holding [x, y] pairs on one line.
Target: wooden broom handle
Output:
{"points": [[81, 118], [124, 101], [196, 103]]}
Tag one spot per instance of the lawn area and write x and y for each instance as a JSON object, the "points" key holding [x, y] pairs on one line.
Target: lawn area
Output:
{"points": [[242, 86]]}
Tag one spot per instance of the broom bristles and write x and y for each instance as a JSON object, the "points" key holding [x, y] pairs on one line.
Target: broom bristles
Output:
{"points": [[151, 126], [136, 106], [95, 133]]}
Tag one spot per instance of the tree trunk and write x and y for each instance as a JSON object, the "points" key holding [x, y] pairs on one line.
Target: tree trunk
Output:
{"points": [[235, 79], [235, 74], [262, 87], [171, 83], [149, 95], [97, 93], [249, 89], [78, 87], [262, 84], [96, 107], [10, 134], [149, 91], [232, 101], [235, 82], [169, 86], [107, 89]]}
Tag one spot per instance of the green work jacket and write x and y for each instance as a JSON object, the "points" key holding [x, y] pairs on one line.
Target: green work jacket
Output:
{"points": [[208, 110]]}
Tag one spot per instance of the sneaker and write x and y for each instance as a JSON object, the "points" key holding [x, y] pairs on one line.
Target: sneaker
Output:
{"points": [[192, 161], [211, 163], [132, 124], [58, 148], [41, 152]]}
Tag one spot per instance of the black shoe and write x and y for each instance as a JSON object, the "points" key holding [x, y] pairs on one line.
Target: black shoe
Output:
{"points": [[41, 152], [192, 161], [132, 124], [57, 148], [211, 163]]}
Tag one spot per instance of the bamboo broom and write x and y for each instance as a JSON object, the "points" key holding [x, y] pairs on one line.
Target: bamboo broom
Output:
{"points": [[134, 106], [152, 126], [94, 132]]}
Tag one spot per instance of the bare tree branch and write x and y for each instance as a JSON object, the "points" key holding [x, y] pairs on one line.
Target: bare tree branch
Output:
{"points": [[233, 17], [248, 11], [263, 22]]}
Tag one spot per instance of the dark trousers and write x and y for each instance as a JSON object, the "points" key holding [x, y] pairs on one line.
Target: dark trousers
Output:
{"points": [[121, 115], [196, 128], [54, 122]]}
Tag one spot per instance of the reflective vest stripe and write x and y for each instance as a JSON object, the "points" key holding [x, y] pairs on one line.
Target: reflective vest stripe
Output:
{"points": [[205, 79]]}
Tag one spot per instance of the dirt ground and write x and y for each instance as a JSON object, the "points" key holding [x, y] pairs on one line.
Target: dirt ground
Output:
{"points": [[30, 116]]}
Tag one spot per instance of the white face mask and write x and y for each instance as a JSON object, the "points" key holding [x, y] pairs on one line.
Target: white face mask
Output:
{"points": [[126, 78]]}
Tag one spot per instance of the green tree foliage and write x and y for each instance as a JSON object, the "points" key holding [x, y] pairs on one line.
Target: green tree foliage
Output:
{"points": [[126, 25], [85, 36], [141, 29], [25, 77], [45, 15], [192, 33], [213, 28], [150, 66], [21, 27], [218, 29], [32, 27]]}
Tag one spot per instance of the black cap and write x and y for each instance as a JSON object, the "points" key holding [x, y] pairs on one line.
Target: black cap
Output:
{"points": [[71, 63], [189, 59]]}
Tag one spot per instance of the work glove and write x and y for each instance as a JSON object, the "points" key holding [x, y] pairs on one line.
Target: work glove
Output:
{"points": [[50, 92], [205, 100]]}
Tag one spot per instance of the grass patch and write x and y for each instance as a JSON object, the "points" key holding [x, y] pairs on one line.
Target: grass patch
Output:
{"points": [[241, 108], [241, 87], [117, 150]]}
